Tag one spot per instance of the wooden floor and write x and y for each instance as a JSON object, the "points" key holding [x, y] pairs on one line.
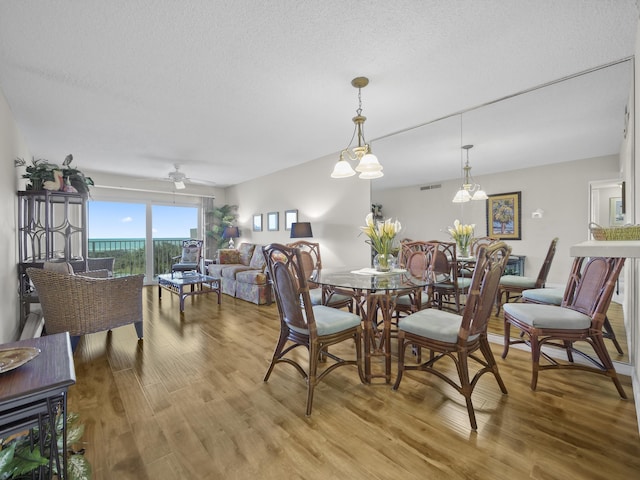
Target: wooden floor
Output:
{"points": [[189, 403]]}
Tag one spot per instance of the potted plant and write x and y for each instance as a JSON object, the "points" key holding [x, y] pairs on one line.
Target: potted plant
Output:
{"points": [[20, 456], [43, 174]]}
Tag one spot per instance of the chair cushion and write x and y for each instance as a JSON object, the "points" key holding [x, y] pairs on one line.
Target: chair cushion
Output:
{"points": [[190, 255], [435, 324], [59, 267], [184, 266], [552, 296], [547, 316], [405, 300], [316, 297], [517, 281], [331, 320]]}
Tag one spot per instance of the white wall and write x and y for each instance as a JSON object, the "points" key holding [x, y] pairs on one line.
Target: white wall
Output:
{"points": [[335, 208], [561, 190], [12, 145]]}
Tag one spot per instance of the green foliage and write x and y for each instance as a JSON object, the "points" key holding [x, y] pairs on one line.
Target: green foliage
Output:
{"points": [[18, 459], [224, 216], [42, 170]]}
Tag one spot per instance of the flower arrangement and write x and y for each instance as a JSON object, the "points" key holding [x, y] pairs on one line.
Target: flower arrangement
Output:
{"points": [[381, 237], [462, 235], [381, 234]]}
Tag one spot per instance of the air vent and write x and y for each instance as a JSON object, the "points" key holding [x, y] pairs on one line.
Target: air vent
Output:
{"points": [[431, 187]]}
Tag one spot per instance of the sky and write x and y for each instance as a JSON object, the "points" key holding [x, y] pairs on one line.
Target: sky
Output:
{"points": [[127, 220]]}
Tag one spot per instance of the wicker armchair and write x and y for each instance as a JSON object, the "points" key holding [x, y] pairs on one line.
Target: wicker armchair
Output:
{"points": [[80, 305]]}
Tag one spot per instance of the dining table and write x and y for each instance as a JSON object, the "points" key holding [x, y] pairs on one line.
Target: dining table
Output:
{"points": [[375, 294]]}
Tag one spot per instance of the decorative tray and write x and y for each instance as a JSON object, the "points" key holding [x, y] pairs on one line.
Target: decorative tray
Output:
{"points": [[11, 358]]}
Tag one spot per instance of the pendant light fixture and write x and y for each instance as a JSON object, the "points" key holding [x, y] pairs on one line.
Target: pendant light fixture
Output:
{"points": [[368, 165], [469, 190]]}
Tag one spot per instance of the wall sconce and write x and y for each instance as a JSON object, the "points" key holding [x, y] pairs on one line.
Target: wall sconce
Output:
{"points": [[537, 213]]}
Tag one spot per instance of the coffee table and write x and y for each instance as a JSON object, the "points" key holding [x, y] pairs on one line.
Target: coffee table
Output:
{"points": [[175, 283]]}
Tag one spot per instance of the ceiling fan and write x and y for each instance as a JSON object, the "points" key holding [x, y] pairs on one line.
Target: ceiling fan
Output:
{"points": [[180, 179]]}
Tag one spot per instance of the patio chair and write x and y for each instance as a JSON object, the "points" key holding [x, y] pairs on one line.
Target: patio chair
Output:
{"points": [[515, 284], [189, 260]]}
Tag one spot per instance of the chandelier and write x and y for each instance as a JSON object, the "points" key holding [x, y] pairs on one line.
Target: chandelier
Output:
{"points": [[469, 190], [368, 165]]}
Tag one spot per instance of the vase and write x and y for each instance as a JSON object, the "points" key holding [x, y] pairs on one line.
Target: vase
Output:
{"points": [[463, 251], [384, 262]]}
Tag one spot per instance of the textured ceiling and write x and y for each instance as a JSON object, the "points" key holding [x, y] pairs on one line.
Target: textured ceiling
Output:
{"points": [[233, 90]]}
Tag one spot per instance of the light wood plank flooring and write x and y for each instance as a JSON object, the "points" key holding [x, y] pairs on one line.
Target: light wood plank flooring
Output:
{"points": [[189, 403]]}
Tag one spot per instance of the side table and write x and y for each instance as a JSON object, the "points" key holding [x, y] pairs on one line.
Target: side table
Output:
{"points": [[33, 394]]}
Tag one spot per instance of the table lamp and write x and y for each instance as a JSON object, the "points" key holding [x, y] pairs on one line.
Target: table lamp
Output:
{"points": [[301, 230], [231, 233]]}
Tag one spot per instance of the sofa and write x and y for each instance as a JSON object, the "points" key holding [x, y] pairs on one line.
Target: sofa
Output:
{"points": [[242, 273]]}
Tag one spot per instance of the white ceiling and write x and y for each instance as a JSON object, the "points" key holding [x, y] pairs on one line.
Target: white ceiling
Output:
{"points": [[236, 89]]}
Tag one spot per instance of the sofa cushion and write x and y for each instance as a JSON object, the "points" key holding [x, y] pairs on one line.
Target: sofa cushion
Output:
{"points": [[254, 277], [246, 252], [228, 256], [231, 271], [257, 260]]}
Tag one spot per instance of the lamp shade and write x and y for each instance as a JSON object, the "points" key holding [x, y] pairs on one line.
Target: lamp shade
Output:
{"points": [[231, 232], [301, 230]]}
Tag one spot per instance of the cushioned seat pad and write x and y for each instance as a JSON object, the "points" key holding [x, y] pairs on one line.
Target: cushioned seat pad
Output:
{"points": [[331, 320], [547, 316], [517, 281], [316, 297], [435, 324], [552, 296]]}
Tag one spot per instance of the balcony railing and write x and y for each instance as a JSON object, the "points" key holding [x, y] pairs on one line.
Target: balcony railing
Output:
{"points": [[130, 254]]}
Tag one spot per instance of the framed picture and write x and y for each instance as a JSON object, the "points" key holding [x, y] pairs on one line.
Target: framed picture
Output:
{"points": [[616, 213], [290, 216], [257, 222], [273, 221], [503, 216]]}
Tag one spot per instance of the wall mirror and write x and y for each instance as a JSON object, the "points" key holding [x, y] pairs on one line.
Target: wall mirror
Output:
{"points": [[548, 124]]}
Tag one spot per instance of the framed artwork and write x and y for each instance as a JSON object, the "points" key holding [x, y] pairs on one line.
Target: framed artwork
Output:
{"points": [[273, 222], [616, 213], [503, 216], [257, 222], [290, 216]]}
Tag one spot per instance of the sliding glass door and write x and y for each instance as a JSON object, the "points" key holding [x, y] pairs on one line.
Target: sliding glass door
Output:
{"points": [[143, 237]]}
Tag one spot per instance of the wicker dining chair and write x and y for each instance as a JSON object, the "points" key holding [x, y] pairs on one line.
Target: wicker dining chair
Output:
{"points": [[447, 288], [554, 296], [80, 305], [512, 286], [312, 264], [579, 318], [458, 337], [313, 327], [415, 257]]}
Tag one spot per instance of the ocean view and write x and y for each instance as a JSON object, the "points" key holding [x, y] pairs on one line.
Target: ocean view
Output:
{"points": [[110, 244]]}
